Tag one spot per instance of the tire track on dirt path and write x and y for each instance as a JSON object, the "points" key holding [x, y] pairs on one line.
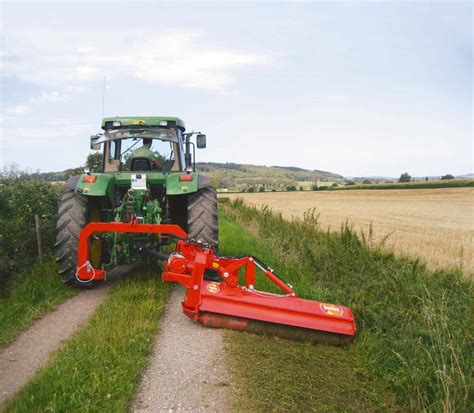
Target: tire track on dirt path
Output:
{"points": [[20, 360], [187, 370]]}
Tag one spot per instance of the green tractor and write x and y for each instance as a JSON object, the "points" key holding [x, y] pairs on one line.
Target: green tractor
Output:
{"points": [[148, 177]]}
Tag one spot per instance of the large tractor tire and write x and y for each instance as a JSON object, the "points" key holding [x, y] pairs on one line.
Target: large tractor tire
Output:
{"points": [[202, 216], [74, 213]]}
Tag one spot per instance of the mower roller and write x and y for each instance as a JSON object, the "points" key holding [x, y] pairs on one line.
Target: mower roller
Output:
{"points": [[144, 194]]}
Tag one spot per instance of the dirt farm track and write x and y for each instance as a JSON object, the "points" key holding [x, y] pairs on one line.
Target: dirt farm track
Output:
{"points": [[435, 224]]}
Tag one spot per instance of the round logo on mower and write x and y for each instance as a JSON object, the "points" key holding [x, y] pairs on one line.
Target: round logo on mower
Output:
{"points": [[213, 288], [331, 309]]}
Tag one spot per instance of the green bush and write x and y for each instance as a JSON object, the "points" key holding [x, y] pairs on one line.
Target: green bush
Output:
{"points": [[405, 177], [21, 198]]}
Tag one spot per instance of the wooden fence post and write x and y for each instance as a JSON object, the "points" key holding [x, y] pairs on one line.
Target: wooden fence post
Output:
{"points": [[39, 238]]}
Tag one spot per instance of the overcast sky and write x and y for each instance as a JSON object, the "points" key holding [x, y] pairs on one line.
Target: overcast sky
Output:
{"points": [[353, 88]]}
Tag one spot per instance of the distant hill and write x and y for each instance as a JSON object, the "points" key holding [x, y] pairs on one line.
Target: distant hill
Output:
{"points": [[239, 177]]}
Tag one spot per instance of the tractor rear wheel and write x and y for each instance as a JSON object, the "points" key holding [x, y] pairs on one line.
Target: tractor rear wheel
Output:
{"points": [[72, 217], [202, 216]]}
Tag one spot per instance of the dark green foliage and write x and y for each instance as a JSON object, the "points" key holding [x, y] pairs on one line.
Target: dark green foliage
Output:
{"points": [[405, 177], [414, 326], [94, 162], [367, 182], [448, 176], [20, 199]]}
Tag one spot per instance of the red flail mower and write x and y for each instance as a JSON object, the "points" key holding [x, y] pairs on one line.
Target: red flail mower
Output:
{"points": [[233, 302]]}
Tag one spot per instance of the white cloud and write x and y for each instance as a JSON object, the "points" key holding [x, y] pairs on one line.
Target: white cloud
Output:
{"points": [[26, 108], [17, 110], [67, 59], [49, 97]]}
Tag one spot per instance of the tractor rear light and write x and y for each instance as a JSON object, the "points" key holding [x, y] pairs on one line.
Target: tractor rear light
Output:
{"points": [[163, 123], [116, 123], [90, 179], [186, 178]]}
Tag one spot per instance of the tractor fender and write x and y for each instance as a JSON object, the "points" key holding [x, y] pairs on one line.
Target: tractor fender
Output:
{"points": [[176, 186], [102, 186]]}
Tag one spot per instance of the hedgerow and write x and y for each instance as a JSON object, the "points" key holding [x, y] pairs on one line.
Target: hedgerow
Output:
{"points": [[21, 198]]}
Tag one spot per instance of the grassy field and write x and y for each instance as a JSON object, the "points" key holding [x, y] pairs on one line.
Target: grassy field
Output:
{"points": [[28, 296], [434, 224], [98, 369], [413, 347]]}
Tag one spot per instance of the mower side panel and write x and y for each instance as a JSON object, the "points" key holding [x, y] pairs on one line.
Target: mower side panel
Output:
{"points": [[176, 187], [103, 186]]}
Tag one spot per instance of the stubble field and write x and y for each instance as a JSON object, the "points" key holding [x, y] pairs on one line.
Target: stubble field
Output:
{"points": [[434, 224]]}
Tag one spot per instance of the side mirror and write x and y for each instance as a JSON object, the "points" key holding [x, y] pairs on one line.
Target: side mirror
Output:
{"points": [[201, 141], [95, 146]]}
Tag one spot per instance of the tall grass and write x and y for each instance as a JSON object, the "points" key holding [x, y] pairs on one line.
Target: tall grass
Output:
{"points": [[414, 325], [29, 295]]}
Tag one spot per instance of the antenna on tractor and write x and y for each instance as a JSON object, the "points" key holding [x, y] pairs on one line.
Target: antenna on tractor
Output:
{"points": [[103, 97]]}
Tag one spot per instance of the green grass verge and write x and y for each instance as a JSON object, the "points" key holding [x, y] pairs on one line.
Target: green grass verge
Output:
{"points": [[98, 369], [448, 183], [30, 295], [414, 325], [271, 374]]}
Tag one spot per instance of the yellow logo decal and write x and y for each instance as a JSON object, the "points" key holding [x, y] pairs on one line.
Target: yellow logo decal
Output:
{"points": [[215, 265], [213, 288], [331, 309], [139, 122]]}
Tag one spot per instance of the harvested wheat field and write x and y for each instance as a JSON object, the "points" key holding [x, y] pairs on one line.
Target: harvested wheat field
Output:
{"points": [[435, 224]]}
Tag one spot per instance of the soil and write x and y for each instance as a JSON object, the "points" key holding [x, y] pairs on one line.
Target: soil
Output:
{"points": [[187, 370], [20, 360]]}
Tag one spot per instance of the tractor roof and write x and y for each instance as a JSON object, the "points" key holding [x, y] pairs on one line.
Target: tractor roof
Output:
{"points": [[107, 123]]}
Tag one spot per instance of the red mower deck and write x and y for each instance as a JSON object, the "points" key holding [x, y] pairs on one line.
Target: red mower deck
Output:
{"points": [[230, 303]]}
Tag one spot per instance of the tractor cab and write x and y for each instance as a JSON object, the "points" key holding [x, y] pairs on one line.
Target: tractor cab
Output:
{"points": [[135, 144]]}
